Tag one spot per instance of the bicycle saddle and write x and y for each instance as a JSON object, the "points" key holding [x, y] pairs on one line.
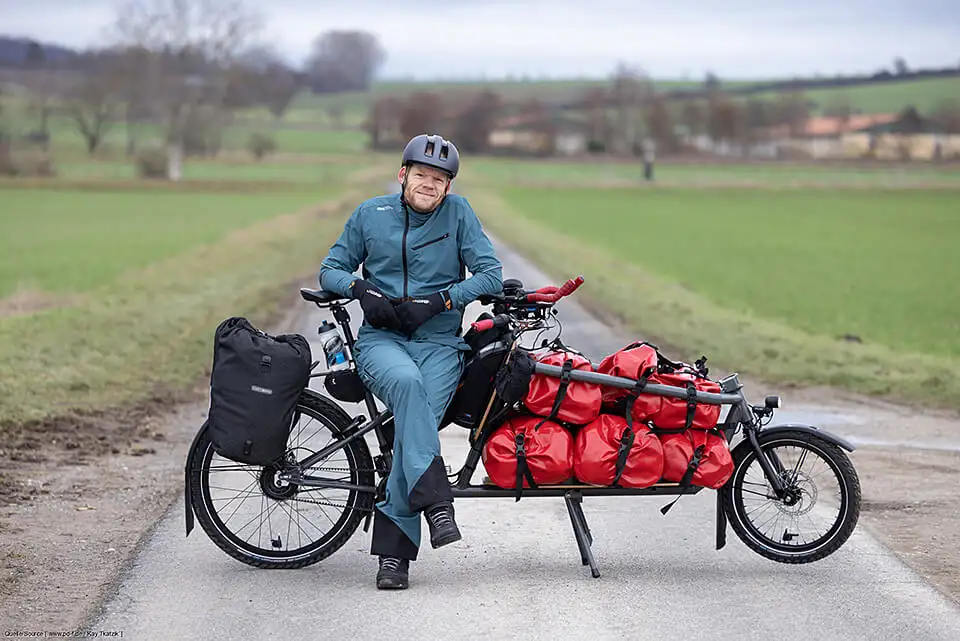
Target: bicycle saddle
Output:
{"points": [[320, 296]]}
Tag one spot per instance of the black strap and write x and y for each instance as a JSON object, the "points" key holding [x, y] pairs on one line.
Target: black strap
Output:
{"points": [[692, 467], [523, 470], [691, 404], [561, 392], [626, 444]]}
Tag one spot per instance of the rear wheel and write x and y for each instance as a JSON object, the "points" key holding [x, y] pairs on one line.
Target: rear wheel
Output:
{"points": [[819, 510], [263, 521]]}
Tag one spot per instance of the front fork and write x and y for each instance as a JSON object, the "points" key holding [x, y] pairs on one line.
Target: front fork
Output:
{"points": [[772, 474], [744, 415]]}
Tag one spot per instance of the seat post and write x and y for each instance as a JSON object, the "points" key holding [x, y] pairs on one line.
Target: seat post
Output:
{"points": [[342, 316]]}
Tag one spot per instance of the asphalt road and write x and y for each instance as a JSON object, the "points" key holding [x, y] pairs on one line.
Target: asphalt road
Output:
{"points": [[517, 573]]}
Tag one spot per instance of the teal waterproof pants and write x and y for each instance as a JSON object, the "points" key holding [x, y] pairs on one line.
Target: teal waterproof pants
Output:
{"points": [[416, 379]]}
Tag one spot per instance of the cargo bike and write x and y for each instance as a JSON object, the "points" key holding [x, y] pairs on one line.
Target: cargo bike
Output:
{"points": [[789, 492]]}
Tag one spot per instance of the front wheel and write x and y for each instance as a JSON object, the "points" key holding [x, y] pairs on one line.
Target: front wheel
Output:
{"points": [[819, 510], [250, 513]]}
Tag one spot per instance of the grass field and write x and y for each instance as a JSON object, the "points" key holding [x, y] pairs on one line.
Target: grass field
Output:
{"points": [[110, 291], [498, 172], [827, 262], [286, 173], [770, 282], [74, 241]]}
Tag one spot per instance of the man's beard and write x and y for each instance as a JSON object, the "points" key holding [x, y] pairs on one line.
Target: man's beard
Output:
{"points": [[434, 201]]}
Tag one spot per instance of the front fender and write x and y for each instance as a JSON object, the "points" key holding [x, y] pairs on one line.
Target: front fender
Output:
{"points": [[808, 429], [188, 504]]}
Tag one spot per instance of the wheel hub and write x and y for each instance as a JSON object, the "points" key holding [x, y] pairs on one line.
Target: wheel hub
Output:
{"points": [[800, 494], [275, 488]]}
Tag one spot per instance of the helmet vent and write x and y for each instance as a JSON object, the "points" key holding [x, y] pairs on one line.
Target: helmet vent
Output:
{"points": [[444, 151], [429, 150]]}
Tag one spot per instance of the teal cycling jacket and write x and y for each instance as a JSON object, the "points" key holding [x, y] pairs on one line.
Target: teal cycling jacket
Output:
{"points": [[408, 254]]}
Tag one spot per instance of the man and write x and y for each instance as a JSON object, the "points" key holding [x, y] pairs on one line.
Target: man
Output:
{"points": [[415, 247]]}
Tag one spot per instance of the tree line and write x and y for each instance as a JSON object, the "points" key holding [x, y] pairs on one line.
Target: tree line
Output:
{"points": [[617, 117], [185, 64]]}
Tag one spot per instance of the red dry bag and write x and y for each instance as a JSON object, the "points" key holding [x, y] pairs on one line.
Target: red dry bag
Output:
{"points": [[579, 402], [635, 361], [668, 412], [521, 454], [696, 457], [609, 452]]}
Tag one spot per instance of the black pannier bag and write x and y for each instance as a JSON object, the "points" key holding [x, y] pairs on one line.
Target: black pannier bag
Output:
{"points": [[254, 386], [476, 386]]}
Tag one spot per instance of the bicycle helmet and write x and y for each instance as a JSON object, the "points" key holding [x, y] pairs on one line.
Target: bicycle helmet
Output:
{"points": [[432, 150]]}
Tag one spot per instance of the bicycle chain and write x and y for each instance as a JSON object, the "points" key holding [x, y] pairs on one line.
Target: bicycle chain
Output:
{"points": [[327, 503]]}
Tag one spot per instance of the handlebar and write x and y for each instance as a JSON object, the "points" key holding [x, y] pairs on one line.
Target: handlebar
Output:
{"points": [[553, 294], [497, 321], [548, 294]]}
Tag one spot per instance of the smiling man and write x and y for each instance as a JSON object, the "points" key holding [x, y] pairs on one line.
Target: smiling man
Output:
{"points": [[415, 248]]}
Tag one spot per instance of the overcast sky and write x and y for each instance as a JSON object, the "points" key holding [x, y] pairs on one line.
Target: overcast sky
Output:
{"points": [[565, 38]]}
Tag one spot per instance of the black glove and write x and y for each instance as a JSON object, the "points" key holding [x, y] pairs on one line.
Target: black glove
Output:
{"points": [[377, 308], [416, 311]]}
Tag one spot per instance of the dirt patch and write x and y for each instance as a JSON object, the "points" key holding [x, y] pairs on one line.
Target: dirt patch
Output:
{"points": [[909, 505], [29, 301], [80, 492]]}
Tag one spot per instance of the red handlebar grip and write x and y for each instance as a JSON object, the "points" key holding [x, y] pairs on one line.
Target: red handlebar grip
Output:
{"points": [[567, 288], [482, 326], [541, 296]]}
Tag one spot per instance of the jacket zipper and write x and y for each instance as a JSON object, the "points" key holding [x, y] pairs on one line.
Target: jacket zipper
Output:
{"points": [[429, 242], [406, 228]]}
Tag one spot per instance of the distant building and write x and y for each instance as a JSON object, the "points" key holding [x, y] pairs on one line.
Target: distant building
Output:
{"points": [[540, 134]]}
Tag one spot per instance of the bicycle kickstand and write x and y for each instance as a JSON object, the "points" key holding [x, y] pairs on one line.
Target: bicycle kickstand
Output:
{"points": [[581, 530]]}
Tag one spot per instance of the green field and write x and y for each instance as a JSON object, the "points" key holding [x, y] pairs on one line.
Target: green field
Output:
{"points": [[827, 262], [284, 173], [828, 286], [74, 241], [110, 290], [515, 171]]}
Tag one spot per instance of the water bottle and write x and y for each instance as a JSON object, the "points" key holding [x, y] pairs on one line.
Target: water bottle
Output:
{"points": [[333, 346]]}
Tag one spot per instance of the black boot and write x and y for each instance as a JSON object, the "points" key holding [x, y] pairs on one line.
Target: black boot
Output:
{"points": [[394, 573], [443, 528]]}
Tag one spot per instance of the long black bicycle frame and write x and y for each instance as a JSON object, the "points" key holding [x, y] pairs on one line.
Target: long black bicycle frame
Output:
{"points": [[740, 413]]}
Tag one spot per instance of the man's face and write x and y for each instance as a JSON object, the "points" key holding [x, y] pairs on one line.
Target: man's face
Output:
{"points": [[426, 186]]}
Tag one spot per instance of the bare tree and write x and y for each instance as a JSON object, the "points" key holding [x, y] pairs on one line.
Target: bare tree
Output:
{"points": [[724, 118], [629, 93], [422, 113], [660, 124], [261, 77], [93, 101], [594, 101], [383, 122], [791, 109], [692, 117], [192, 45], [476, 121], [344, 61]]}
